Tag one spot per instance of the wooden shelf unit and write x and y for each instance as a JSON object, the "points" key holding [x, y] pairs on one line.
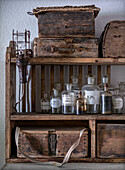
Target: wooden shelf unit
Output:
{"points": [[92, 120]]}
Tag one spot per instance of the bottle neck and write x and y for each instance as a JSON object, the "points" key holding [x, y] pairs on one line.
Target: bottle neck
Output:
{"points": [[105, 87], [68, 87]]}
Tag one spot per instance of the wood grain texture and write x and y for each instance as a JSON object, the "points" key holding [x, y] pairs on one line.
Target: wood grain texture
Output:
{"points": [[66, 47], [92, 126], [111, 140]]}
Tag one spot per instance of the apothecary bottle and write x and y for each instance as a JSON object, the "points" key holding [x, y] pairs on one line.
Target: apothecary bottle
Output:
{"points": [[117, 102], [68, 100], [75, 86], [55, 102], [92, 94], [105, 79], [45, 103], [106, 101], [81, 102], [122, 93]]}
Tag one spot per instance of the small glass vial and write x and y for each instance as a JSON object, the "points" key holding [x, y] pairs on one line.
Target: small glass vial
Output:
{"points": [[55, 102], [81, 102], [92, 94], [68, 100], [117, 102], [45, 103], [106, 101], [110, 87], [75, 86]]}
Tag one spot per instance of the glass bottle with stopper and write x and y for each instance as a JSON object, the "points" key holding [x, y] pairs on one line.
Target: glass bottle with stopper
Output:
{"points": [[117, 102], [68, 100], [55, 102], [45, 103], [75, 86], [81, 102], [106, 101], [92, 94]]}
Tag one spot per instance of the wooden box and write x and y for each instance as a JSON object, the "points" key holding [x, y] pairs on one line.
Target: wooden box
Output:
{"points": [[67, 21], [111, 140], [43, 142], [66, 47], [113, 39]]}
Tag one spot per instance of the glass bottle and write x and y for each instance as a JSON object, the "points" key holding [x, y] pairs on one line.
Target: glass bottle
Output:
{"points": [[55, 102], [81, 102], [110, 87], [92, 94], [45, 103], [106, 101], [117, 102], [68, 100], [75, 86], [122, 93]]}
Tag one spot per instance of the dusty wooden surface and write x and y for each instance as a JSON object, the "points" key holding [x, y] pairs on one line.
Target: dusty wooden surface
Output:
{"points": [[66, 47], [111, 140]]}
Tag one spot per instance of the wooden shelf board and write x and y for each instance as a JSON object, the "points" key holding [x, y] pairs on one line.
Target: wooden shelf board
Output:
{"points": [[49, 117], [74, 160], [73, 61]]}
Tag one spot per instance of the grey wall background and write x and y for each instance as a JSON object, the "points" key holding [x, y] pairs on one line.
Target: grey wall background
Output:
{"points": [[13, 15]]}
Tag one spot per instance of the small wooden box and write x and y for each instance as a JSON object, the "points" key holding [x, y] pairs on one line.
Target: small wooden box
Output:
{"points": [[113, 39], [111, 140], [43, 142], [66, 47], [67, 21]]}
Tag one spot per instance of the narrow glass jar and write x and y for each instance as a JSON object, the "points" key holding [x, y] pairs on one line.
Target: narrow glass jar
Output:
{"points": [[92, 94], [45, 103], [106, 80], [68, 100], [81, 102], [117, 102], [106, 101], [55, 102]]}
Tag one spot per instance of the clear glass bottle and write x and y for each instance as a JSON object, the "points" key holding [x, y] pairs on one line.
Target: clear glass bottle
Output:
{"points": [[122, 93], [55, 102], [117, 102], [110, 87], [75, 86], [92, 94], [106, 101], [68, 100], [81, 102], [45, 103]]}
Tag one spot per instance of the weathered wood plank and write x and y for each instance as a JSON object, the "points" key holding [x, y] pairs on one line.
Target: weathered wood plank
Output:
{"points": [[92, 126]]}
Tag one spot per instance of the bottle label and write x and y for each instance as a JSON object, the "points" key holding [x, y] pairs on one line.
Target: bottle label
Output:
{"points": [[55, 103], [117, 103], [45, 106], [68, 100], [92, 97]]}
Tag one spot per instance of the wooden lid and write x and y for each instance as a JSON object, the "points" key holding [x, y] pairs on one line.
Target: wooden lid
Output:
{"points": [[39, 10]]}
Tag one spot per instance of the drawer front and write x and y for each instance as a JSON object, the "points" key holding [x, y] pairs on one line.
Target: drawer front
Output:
{"points": [[42, 144], [111, 140], [66, 47]]}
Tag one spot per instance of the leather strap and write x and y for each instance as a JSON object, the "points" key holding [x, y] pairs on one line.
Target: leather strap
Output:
{"points": [[66, 158]]}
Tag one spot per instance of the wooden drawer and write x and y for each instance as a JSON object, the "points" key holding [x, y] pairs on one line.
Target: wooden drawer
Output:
{"points": [[66, 47], [67, 21], [111, 140], [43, 142]]}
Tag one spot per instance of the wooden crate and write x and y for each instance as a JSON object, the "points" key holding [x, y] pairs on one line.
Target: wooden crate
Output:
{"points": [[42, 142], [66, 47], [113, 39], [111, 140], [67, 21]]}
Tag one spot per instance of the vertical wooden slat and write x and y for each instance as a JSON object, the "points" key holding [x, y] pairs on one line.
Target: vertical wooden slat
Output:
{"points": [[109, 73], [90, 70], [62, 77], [47, 73], [66, 75], [99, 75], [42, 81], [8, 99], [70, 73], [80, 75], [92, 126], [94, 72], [52, 78], [56, 74], [84, 74], [33, 89], [24, 97], [28, 90]]}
